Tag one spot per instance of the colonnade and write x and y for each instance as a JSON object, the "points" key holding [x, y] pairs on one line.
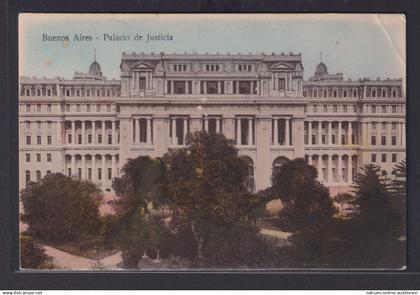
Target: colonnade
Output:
{"points": [[142, 130], [91, 127], [94, 167], [334, 168]]}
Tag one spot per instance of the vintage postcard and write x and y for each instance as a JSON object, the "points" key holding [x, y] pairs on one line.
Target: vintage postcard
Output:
{"points": [[212, 141]]}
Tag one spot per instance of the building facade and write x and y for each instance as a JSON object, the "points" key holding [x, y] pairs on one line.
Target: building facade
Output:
{"points": [[89, 126]]}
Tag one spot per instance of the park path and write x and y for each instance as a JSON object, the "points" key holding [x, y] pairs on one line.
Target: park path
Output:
{"points": [[64, 260]]}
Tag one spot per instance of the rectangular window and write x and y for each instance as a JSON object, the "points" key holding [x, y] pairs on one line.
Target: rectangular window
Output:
{"points": [[282, 84], [77, 92], [77, 107], [48, 107], [109, 138], [315, 108], [99, 173], [169, 89], [79, 173], [108, 92], [383, 140], [373, 158], [354, 109], [28, 158], [383, 158], [38, 157], [28, 140], [88, 108], [333, 139], [313, 139], [109, 173], [394, 140], [373, 109], [99, 138], [179, 87], [38, 124], [49, 139], [28, 108], [98, 107], [335, 108], [67, 108], [89, 138], [142, 83], [48, 157], [394, 109], [323, 139], [69, 138], [394, 158], [373, 140], [38, 139], [343, 139], [69, 172], [345, 109], [108, 107], [38, 107], [89, 173], [28, 124], [383, 109], [325, 108], [79, 138], [87, 92], [98, 92], [27, 176], [49, 124]]}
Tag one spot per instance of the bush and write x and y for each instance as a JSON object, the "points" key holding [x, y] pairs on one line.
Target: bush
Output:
{"points": [[32, 256]]}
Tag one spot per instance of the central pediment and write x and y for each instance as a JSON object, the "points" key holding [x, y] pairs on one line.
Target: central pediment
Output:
{"points": [[281, 67], [142, 66]]}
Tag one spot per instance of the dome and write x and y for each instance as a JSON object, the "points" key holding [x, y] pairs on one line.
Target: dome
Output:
{"points": [[321, 69], [95, 69]]}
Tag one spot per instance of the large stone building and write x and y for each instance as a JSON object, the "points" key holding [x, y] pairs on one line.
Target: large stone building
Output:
{"points": [[89, 126]]}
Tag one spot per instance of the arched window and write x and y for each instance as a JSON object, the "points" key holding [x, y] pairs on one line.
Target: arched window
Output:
{"points": [[278, 162], [249, 181]]}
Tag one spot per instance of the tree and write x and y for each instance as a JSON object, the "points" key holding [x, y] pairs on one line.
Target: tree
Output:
{"points": [[374, 242], [32, 256], [205, 182], [138, 185], [307, 210], [399, 183], [139, 231], [305, 199], [59, 208]]}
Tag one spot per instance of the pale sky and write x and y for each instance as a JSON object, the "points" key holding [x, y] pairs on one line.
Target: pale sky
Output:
{"points": [[359, 45]]}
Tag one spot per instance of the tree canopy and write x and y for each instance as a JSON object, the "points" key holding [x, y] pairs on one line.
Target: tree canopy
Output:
{"points": [[59, 208]]}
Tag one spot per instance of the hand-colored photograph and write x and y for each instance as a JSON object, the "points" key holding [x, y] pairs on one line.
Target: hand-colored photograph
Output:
{"points": [[176, 142]]}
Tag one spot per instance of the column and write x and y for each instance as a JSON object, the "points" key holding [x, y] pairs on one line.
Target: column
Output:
{"points": [[339, 134], [205, 87], [73, 165], [319, 168], [73, 132], [172, 87], [174, 139], [218, 125], [287, 135], [149, 131], [103, 132], [185, 121], [238, 132], [93, 132], [389, 135], [403, 134], [367, 133], [310, 160], [137, 131], [329, 169], [206, 124], [399, 137], [104, 174], [83, 134], [349, 168], [310, 133], [250, 141], [319, 132], [93, 168], [329, 135], [339, 168], [113, 133], [83, 166], [114, 172], [276, 132], [349, 134], [218, 88]]}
